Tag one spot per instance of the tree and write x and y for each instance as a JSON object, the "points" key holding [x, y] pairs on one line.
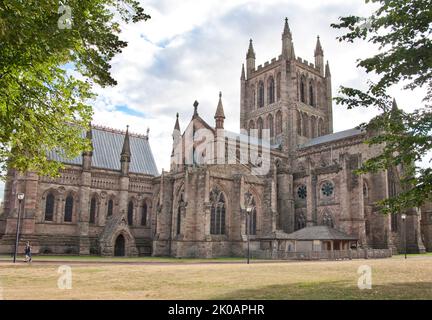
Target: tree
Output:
{"points": [[52, 55], [402, 30]]}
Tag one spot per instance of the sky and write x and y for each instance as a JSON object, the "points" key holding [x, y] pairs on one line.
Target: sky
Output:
{"points": [[190, 50]]}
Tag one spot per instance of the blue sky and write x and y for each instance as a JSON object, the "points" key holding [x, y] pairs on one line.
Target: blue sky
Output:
{"points": [[191, 50]]}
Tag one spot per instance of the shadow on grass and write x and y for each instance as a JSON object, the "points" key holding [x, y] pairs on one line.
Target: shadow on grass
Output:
{"points": [[334, 290]]}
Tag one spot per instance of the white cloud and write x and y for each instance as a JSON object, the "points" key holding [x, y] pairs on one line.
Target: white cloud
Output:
{"points": [[192, 49]]}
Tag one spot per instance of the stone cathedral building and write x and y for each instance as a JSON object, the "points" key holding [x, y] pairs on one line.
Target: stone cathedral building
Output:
{"points": [[113, 201]]}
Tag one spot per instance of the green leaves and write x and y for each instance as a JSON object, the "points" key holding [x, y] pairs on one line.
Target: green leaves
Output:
{"points": [[42, 106], [403, 31]]}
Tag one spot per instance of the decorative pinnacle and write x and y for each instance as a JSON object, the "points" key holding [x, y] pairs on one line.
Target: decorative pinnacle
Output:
{"points": [[195, 108], [318, 49], [286, 30], [251, 53]]}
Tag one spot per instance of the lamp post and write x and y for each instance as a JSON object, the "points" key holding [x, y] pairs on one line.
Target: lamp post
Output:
{"points": [[249, 208], [20, 197], [404, 216]]}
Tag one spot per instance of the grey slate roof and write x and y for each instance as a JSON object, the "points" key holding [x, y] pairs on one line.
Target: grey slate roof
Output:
{"points": [[332, 137], [319, 233], [107, 147]]}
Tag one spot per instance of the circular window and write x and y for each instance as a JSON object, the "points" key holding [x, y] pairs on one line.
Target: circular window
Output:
{"points": [[327, 189], [302, 192]]}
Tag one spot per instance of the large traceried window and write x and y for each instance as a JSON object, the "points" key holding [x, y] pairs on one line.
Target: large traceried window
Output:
{"points": [[68, 208], [218, 208], [49, 207]]}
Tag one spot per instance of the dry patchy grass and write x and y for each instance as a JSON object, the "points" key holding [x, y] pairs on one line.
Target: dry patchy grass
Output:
{"points": [[392, 279]]}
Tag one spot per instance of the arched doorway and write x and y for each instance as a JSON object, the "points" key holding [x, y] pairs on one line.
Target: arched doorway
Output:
{"points": [[119, 248]]}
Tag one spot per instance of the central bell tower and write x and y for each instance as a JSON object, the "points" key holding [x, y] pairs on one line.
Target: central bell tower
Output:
{"points": [[287, 95]]}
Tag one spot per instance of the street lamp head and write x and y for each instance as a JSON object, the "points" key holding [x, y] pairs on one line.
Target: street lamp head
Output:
{"points": [[20, 196], [403, 216]]}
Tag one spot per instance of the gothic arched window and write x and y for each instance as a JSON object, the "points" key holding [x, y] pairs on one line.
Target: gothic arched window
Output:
{"points": [[217, 216], [299, 126], [328, 220], [270, 91], [320, 127], [49, 207], [278, 86], [130, 213], [181, 206], [311, 94], [254, 100], [260, 94], [110, 207], [300, 221], [252, 219], [305, 125], [93, 210], [302, 91], [278, 122], [313, 120], [144, 215], [270, 125], [260, 127], [68, 208]]}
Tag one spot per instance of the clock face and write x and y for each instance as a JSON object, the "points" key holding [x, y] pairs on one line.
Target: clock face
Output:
{"points": [[327, 189], [302, 192]]}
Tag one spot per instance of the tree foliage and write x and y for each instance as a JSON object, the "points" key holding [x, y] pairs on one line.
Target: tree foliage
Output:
{"points": [[51, 56], [402, 30]]}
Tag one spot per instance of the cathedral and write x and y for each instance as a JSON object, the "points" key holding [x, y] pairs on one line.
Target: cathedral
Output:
{"points": [[285, 183]]}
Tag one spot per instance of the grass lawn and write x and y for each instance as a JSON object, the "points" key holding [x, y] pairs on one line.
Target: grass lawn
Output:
{"points": [[394, 278], [99, 259]]}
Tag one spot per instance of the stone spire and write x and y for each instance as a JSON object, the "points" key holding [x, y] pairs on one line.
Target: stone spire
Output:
{"points": [[318, 49], [287, 44], [219, 115], [126, 153], [125, 156], [251, 52], [327, 70], [250, 60], [319, 56], [243, 76], [286, 31], [177, 125]]}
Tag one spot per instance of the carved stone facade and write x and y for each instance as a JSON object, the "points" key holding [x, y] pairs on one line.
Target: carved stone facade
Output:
{"points": [[200, 208]]}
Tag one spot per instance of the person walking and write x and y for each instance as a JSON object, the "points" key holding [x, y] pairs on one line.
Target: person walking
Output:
{"points": [[28, 253]]}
